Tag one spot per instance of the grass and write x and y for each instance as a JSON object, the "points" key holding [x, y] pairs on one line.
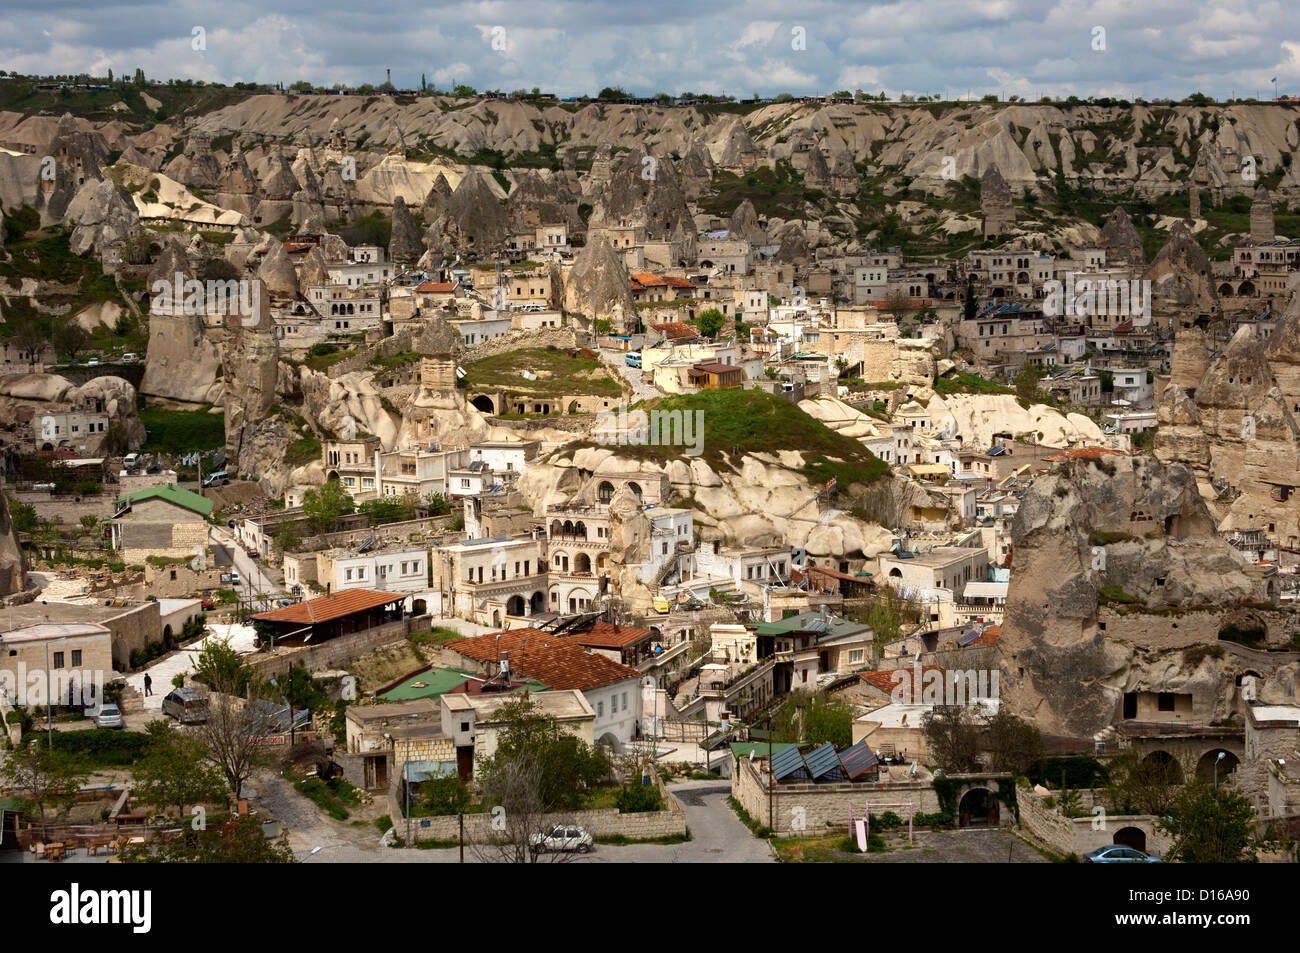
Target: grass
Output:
{"points": [[324, 797], [968, 384], [558, 374], [181, 431], [436, 636], [753, 421], [621, 840], [1115, 595], [761, 831]]}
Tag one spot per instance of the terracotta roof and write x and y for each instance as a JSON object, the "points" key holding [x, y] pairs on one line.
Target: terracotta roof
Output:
{"points": [[606, 635], [887, 683], [713, 367], [331, 607], [647, 279], [546, 657], [675, 329], [990, 636], [679, 282], [634, 284], [434, 287]]}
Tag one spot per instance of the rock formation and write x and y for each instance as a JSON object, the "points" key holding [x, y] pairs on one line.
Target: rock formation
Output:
{"points": [[104, 213], [1120, 585], [995, 203], [404, 246], [1261, 217], [598, 286], [1121, 240], [13, 569]]}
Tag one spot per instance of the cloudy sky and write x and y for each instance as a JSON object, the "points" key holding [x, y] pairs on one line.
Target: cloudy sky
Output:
{"points": [[1152, 48]]}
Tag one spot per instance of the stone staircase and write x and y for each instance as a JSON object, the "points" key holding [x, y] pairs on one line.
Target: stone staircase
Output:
{"points": [[131, 701]]}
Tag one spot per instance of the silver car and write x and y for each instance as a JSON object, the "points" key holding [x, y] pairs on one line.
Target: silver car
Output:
{"points": [[108, 716]]}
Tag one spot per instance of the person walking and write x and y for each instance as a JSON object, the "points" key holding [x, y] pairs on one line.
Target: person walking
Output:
{"points": [[148, 685]]}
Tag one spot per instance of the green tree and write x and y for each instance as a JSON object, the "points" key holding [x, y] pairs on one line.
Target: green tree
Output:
{"points": [[446, 795], [222, 668], [23, 516], [1210, 825], [70, 338], [176, 772], [238, 841], [1027, 379], [325, 506], [1013, 743], [49, 778], [710, 322], [968, 303], [812, 718], [569, 767], [953, 736], [384, 509]]}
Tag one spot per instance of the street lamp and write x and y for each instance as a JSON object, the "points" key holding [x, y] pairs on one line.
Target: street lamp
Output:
{"points": [[406, 776], [49, 698], [1222, 755]]}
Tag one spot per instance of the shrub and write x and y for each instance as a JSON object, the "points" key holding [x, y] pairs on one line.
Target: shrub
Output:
{"points": [[636, 798]]}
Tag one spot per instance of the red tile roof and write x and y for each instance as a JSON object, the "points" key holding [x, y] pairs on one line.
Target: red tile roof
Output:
{"points": [[648, 280], [436, 287], [683, 283], [675, 329], [606, 635], [546, 657], [331, 607], [885, 681], [990, 636]]}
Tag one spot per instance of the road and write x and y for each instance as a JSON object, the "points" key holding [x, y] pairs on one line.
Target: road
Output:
{"points": [[717, 836], [632, 375], [254, 579]]}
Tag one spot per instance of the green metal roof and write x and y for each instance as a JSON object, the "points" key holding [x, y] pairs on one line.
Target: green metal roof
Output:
{"points": [[437, 682], [172, 494], [741, 749], [812, 621]]}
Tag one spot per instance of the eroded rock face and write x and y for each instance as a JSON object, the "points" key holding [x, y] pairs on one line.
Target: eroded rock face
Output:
{"points": [[13, 569], [1181, 283], [995, 203], [1121, 240], [598, 286], [404, 246], [104, 213], [744, 224], [1261, 217], [1110, 557], [33, 395]]}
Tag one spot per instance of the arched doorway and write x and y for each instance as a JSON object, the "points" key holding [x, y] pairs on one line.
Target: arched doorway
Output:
{"points": [[582, 563], [419, 607], [515, 605], [1161, 766], [496, 617], [1133, 837], [537, 603], [167, 636], [605, 493], [1225, 760], [484, 403], [978, 808], [608, 740], [635, 488]]}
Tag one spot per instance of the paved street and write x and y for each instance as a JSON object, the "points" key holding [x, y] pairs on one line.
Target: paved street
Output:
{"points": [[254, 580], [617, 359]]}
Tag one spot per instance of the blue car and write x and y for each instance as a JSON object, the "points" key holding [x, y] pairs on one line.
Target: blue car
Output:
{"points": [[1117, 854]]}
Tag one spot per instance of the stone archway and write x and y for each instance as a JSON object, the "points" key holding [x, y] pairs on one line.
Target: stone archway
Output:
{"points": [[515, 606], [1205, 767], [978, 808], [537, 603], [1133, 837], [484, 403], [1161, 764]]}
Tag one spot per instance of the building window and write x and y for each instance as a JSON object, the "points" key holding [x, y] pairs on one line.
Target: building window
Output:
{"points": [[76, 657], [600, 709], [58, 660], [1165, 701]]}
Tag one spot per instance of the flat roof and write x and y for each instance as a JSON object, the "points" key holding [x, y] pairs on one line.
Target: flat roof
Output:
{"points": [[53, 630]]}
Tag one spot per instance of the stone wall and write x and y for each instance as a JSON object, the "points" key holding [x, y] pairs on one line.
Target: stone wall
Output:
{"points": [[360, 361], [599, 823], [514, 340], [337, 652], [825, 807], [1065, 835]]}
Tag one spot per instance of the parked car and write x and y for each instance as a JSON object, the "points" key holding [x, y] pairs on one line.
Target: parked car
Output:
{"points": [[187, 705], [93, 362], [108, 716], [632, 359], [562, 837], [220, 478], [1118, 854]]}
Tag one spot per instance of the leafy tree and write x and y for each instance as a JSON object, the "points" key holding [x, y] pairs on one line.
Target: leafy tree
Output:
{"points": [[384, 509], [968, 303], [446, 795], [812, 718], [238, 841], [710, 322], [1140, 785], [1027, 379], [23, 516], [221, 668], [435, 504], [176, 772], [326, 505], [1210, 825], [953, 736], [611, 92], [70, 338], [1014, 744], [49, 778]]}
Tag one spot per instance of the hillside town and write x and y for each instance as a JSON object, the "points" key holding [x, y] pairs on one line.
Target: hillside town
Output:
{"points": [[672, 479]]}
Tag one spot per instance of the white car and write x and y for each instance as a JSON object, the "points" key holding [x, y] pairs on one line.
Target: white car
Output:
{"points": [[108, 716], [561, 837]]}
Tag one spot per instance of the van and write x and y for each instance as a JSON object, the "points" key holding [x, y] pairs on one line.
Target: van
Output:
{"points": [[131, 461], [189, 706], [633, 359], [220, 478], [130, 357]]}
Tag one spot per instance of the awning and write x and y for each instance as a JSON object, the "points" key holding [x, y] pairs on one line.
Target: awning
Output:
{"points": [[986, 590]]}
